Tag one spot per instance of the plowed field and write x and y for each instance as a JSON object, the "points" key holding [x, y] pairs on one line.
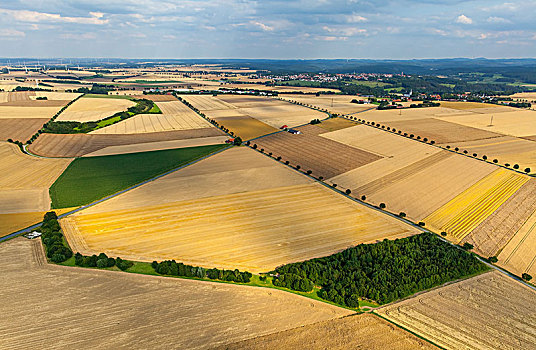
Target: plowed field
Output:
{"points": [[490, 311], [323, 156], [92, 309]]}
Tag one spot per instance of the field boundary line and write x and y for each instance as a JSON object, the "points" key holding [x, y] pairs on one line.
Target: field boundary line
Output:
{"points": [[32, 227]]}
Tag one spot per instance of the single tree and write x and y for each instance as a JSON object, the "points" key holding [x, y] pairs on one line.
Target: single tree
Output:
{"points": [[526, 276], [382, 205]]}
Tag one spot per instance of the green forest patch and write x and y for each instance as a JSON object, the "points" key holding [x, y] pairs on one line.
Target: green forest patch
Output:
{"points": [[88, 179]]}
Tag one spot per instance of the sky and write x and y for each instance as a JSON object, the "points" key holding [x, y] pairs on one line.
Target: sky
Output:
{"points": [[276, 29]]}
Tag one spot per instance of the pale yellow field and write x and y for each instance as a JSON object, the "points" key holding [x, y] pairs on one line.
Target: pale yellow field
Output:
{"points": [[391, 115], [426, 186], [25, 180], [519, 255], [467, 105], [255, 231], [61, 96], [281, 89], [531, 96], [175, 116], [207, 102], [490, 311], [467, 210], [94, 109], [519, 123], [334, 103], [397, 152], [27, 112], [159, 145], [97, 309], [279, 115], [506, 149]]}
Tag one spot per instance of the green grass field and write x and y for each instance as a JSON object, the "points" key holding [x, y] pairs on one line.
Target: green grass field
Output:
{"points": [[89, 179]]}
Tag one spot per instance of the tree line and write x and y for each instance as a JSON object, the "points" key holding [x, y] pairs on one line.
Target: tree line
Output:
{"points": [[173, 268], [384, 271]]}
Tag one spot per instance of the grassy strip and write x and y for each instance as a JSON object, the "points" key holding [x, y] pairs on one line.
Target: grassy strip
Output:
{"points": [[88, 179]]}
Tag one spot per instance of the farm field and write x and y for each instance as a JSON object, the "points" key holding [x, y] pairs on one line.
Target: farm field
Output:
{"points": [[474, 106], [91, 178], [27, 112], [207, 102], [10, 223], [115, 310], [323, 156], [471, 207], [414, 189], [506, 149], [158, 146], [175, 116], [78, 145], [246, 127], [497, 230], [396, 152], [489, 311], [519, 255], [272, 215], [365, 331], [280, 89], [88, 109], [334, 124], [441, 131], [259, 231], [155, 98], [20, 129], [392, 115], [518, 123], [340, 104], [25, 180]]}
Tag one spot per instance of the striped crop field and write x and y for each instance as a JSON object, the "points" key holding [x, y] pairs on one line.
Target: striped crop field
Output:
{"points": [[467, 210]]}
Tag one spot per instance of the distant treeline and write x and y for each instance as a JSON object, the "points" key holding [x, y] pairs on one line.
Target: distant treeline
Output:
{"points": [[384, 272]]}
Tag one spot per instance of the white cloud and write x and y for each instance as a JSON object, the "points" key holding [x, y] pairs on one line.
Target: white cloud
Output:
{"points": [[351, 31], [355, 18], [464, 19], [72, 36], [263, 26], [11, 33], [34, 16], [494, 19]]}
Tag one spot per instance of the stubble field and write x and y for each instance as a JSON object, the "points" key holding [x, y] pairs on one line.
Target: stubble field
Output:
{"points": [[97, 309], [89, 109], [490, 311]]}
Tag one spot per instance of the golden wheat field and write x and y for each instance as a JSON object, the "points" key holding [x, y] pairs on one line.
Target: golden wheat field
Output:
{"points": [[518, 123], [96, 309], [341, 104], [175, 116], [89, 109], [467, 210], [267, 215], [489, 311], [25, 180], [365, 331]]}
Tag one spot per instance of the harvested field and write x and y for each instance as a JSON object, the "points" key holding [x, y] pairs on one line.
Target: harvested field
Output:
{"points": [[519, 255], [97, 309], [519, 123], [62, 96], [468, 105], [334, 103], [364, 331], [156, 146], [497, 230], [11, 112], [77, 145], [239, 168], [441, 131], [207, 102], [257, 230], [278, 115], [471, 207], [88, 109], [156, 98], [393, 115], [10, 223], [490, 311], [35, 103], [414, 189], [311, 151], [246, 127], [20, 129], [25, 180], [507, 149], [175, 116], [334, 124], [396, 152]]}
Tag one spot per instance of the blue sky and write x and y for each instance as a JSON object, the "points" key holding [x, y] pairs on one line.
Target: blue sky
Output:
{"points": [[268, 29]]}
